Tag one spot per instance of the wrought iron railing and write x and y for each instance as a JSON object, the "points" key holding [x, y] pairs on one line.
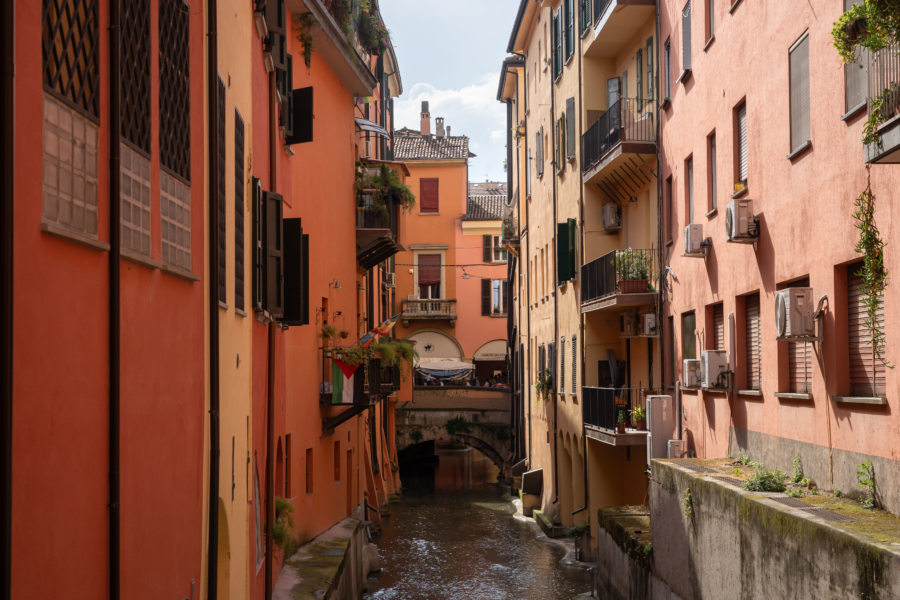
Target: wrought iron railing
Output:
{"points": [[601, 406], [600, 8], [371, 216], [624, 271], [627, 120], [435, 309], [884, 81]]}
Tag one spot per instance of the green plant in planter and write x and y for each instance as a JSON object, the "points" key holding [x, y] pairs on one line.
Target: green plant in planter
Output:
{"points": [[638, 413], [327, 332], [632, 265], [393, 352], [620, 420], [384, 185], [544, 384], [354, 355]]}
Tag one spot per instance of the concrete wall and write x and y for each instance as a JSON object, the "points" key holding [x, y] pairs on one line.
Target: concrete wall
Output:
{"points": [[619, 577], [747, 544]]}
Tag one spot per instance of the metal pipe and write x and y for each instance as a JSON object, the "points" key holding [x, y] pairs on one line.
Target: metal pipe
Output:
{"points": [[584, 456], [7, 164], [555, 271], [678, 408], [115, 96], [212, 558], [270, 456]]}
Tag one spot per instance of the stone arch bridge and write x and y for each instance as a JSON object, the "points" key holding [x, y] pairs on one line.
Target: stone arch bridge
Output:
{"points": [[477, 417]]}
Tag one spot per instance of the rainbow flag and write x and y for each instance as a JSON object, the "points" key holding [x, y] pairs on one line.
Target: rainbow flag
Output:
{"points": [[383, 330]]}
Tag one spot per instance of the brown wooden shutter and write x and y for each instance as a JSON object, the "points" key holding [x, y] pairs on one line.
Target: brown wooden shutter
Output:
{"points": [[562, 366], [718, 327], [428, 195], [274, 254], [486, 246], [220, 189], [296, 273], [539, 152], [574, 363], [754, 345], [259, 237], [867, 373], [570, 127], [688, 338], [504, 296], [742, 142], [800, 367], [485, 297], [239, 185]]}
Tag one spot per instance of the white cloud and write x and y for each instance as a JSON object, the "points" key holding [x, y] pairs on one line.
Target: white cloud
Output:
{"points": [[472, 110]]}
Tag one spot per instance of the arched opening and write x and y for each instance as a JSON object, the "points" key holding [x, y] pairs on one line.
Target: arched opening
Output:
{"points": [[279, 471], [446, 465], [490, 363], [223, 569]]}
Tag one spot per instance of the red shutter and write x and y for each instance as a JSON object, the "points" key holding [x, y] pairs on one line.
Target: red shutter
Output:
{"points": [[428, 195], [429, 269], [754, 346], [485, 297], [719, 327], [867, 373], [800, 367], [486, 244]]}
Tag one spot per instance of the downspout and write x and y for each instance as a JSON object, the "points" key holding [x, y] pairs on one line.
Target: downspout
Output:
{"points": [[115, 38], [270, 363], [527, 254], [510, 315], [555, 282], [584, 460], [212, 550], [659, 242], [7, 164]]}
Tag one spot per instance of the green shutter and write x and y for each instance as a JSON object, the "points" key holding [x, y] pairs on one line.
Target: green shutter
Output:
{"points": [[571, 239], [565, 251]]}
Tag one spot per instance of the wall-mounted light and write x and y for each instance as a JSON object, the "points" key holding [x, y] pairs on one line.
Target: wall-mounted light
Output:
{"points": [[335, 284]]}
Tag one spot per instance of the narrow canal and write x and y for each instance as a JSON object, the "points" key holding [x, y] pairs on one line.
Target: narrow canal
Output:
{"points": [[453, 536]]}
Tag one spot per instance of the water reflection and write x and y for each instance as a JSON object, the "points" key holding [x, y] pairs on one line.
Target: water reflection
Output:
{"points": [[453, 536]]}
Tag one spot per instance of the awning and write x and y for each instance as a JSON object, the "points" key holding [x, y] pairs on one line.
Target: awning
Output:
{"points": [[444, 368], [367, 125]]}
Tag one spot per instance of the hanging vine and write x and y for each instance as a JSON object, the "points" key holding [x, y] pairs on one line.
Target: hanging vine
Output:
{"points": [[304, 24], [873, 271]]}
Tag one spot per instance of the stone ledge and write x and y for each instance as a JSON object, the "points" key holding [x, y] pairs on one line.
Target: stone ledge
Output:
{"points": [[316, 570]]}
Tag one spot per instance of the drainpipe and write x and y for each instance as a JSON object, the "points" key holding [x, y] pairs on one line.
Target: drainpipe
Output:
{"points": [[270, 363], [212, 558], [115, 37], [7, 164], [555, 272], [584, 459]]}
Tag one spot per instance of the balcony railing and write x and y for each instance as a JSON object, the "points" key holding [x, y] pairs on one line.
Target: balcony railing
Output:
{"points": [[600, 8], [628, 271], [601, 406], [627, 120], [429, 309], [371, 379], [369, 216], [884, 81]]}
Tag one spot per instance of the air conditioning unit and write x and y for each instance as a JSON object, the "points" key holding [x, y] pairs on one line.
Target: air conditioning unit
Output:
{"points": [[390, 280], [628, 324], [648, 324], [714, 369], [612, 216], [740, 224], [676, 449], [693, 240], [691, 372], [794, 318]]}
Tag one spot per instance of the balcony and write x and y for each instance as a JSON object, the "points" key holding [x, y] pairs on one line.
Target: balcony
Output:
{"points": [[620, 278], [429, 310], [616, 23], [884, 90], [370, 381], [376, 230], [600, 412], [620, 146]]}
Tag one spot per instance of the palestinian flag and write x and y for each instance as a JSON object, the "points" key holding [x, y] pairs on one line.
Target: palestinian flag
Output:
{"points": [[342, 375]]}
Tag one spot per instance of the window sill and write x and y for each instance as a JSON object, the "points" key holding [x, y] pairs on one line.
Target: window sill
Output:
{"points": [[240, 312], [793, 396], [179, 272], [685, 75], [429, 214], [734, 5], [709, 42], [498, 316], [748, 393], [665, 103], [874, 400], [136, 257], [807, 145], [712, 213], [73, 236], [670, 242], [692, 389], [741, 192], [854, 112], [223, 305]]}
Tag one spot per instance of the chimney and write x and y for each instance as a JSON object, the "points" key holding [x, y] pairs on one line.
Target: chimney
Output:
{"points": [[439, 127], [426, 119], [448, 131]]}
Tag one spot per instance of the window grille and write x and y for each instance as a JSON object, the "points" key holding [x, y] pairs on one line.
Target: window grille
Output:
{"points": [[174, 88], [135, 109], [70, 38]]}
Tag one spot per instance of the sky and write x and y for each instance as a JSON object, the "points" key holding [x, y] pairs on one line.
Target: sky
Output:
{"points": [[450, 54]]}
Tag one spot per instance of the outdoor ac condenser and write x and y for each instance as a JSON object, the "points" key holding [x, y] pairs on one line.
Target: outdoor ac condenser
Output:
{"points": [[691, 372], [714, 369], [794, 312]]}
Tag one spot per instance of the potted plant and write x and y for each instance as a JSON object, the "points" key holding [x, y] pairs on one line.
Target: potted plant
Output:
{"points": [[639, 417], [327, 332], [633, 271], [544, 384], [620, 422]]}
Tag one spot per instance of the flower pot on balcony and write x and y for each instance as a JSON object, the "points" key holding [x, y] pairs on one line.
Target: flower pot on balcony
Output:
{"points": [[642, 425], [633, 286], [620, 427]]}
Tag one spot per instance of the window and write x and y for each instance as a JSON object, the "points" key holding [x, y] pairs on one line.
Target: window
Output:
{"points": [[649, 69], [557, 43], [689, 188], [429, 276], [740, 140], [799, 92], [688, 335], [574, 364], [856, 78], [867, 372], [798, 356], [670, 349], [493, 250], [624, 78], [570, 128], [686, 39], [268, 269], [584, 15], [428, 195], [569, 6], [562, 365], [498, 291], [718, 327], [337, 460], [667, 68], [296, 273], [754, 342], [528, 174], [288, 493], [565, 251], [260, 554], [710, 19], [539, 152], [174, 89], [639, 78], [70, 56], [711, 199], [238, 211], [612, 91], [670, 215], [309, 471]]}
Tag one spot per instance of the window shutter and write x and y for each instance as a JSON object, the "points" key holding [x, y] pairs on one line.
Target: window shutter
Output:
{"points": [[570, 127], [688, 339], [220, 190], [572, 247], [285, 88], [649, 69], [570, 27], [562, 252], [428, 193], [718, 327], [302, 115], [551, 359], [799, 367], [486, 248], [639, 78], [754, 349], [274, 298], [799, 65], [742, 142], [584, 14], [559, 42], [686, 37], [867, 373], [504, 288], [562, 366], [528, 174], [539, 152], [554, 42], [574, 364], [296, 273], [259, 237], [485, 297], [239, 185]]}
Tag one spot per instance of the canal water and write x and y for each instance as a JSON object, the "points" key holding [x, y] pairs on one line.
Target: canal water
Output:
{"points": [[453, 536]]}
